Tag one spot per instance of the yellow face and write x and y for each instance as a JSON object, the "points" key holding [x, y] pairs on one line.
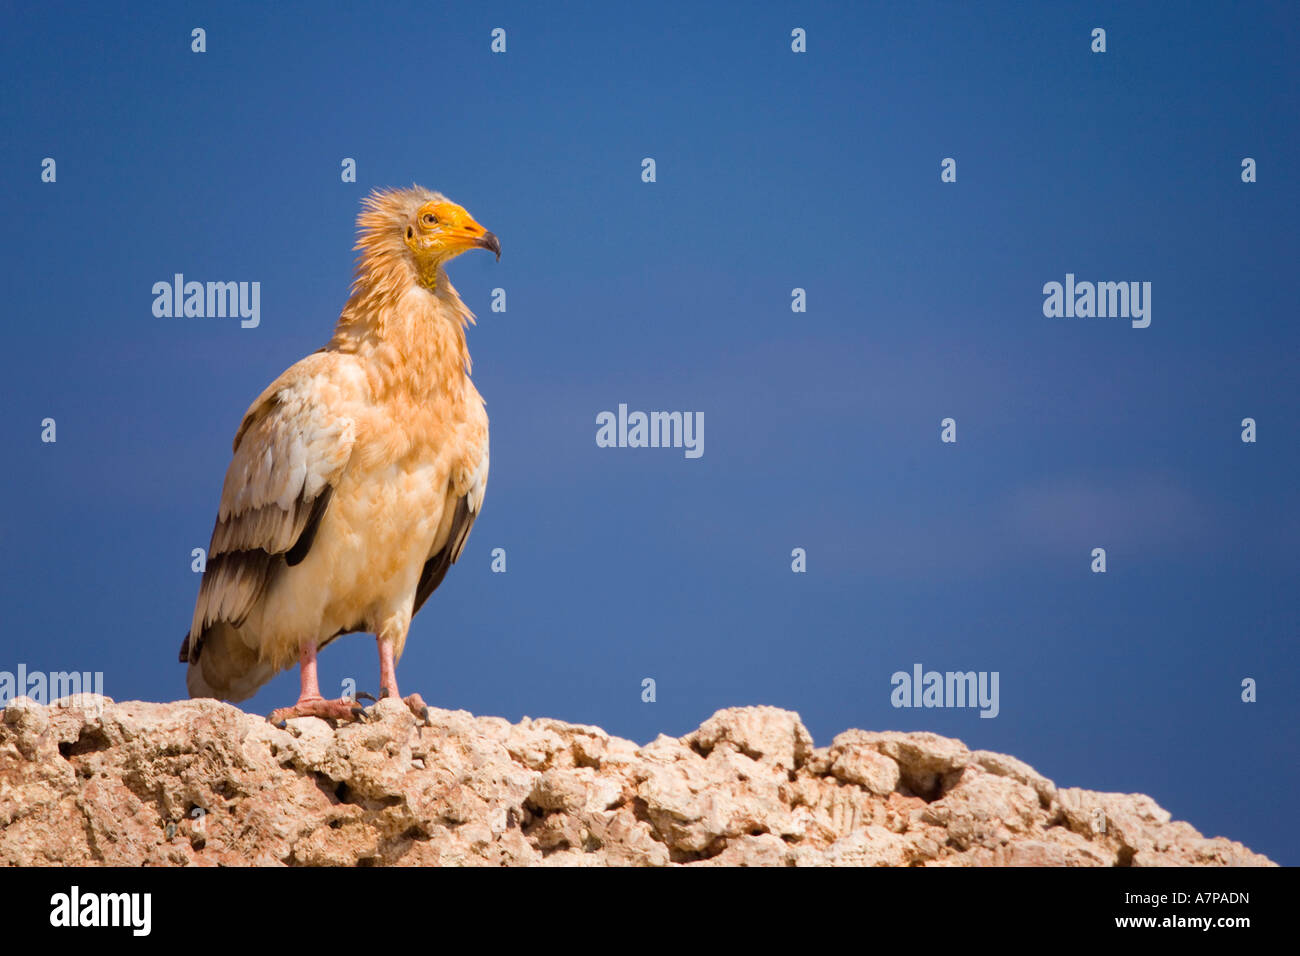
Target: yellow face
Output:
{"points": [[442, 230]]}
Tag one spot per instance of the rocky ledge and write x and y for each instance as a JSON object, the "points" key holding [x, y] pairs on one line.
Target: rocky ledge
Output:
{"points": [[203, 783]]}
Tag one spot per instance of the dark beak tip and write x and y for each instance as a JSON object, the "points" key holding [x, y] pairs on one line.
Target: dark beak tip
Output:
{"points": [[491, 243]]}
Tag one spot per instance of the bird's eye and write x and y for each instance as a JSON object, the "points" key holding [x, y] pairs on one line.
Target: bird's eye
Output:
{"points": [[430, 219]]}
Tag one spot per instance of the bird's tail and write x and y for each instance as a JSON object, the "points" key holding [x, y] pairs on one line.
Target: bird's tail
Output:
{"points": [[223, 665]]}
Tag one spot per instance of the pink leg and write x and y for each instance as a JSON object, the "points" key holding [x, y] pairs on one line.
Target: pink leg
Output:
{"points": [[310, 688], [387, 670], [310, 703], [388, 681]]}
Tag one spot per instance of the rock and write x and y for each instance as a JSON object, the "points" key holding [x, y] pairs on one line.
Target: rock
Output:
{"points": [[1005, 766], [201, 783], [923, 759], [873, 771], [766, 734]]}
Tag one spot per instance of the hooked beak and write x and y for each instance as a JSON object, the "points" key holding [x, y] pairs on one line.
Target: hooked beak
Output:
{"points": [[490, 242]]}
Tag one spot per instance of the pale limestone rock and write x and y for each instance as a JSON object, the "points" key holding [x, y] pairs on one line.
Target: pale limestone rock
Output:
{"points": [[871, 846], [200, 783], [874, 771], [767, 734], [924, 759], [1005, 766]]}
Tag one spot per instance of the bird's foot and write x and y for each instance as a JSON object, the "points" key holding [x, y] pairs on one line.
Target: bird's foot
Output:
{"points": [[418, 707], [342, 709], [414, 702]]}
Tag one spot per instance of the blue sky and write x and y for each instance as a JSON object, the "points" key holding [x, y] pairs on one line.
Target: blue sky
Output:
{"points": [[774, 171]]}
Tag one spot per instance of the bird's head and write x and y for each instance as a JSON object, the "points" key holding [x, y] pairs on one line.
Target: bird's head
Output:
{"points": [[439, 229], [422, 226]]}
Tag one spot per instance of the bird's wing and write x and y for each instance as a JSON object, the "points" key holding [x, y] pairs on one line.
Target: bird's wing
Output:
{"points": [[468, 487], [289, 453]]}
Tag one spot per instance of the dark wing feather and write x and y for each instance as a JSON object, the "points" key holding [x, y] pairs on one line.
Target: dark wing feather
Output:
{"points": [[473, 486], [435, 569], [289, 452]]}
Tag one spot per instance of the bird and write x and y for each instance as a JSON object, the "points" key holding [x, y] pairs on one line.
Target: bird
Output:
{"points": [[355, 476]]}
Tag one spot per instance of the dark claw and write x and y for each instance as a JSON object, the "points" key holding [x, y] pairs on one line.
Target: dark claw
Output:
{"points": [[366, 695], [419, 709], [283, 725], [360, 714]]}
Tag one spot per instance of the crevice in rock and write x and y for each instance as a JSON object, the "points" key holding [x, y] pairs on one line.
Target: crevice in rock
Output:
{"points": [[927, 785], [919, 789], [676, 855], [90, 740], [324, 784], [553, 848], [344, 794], [641, 810]]}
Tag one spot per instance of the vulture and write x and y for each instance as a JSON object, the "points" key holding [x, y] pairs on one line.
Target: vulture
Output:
{"points": [[356, 475]]}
